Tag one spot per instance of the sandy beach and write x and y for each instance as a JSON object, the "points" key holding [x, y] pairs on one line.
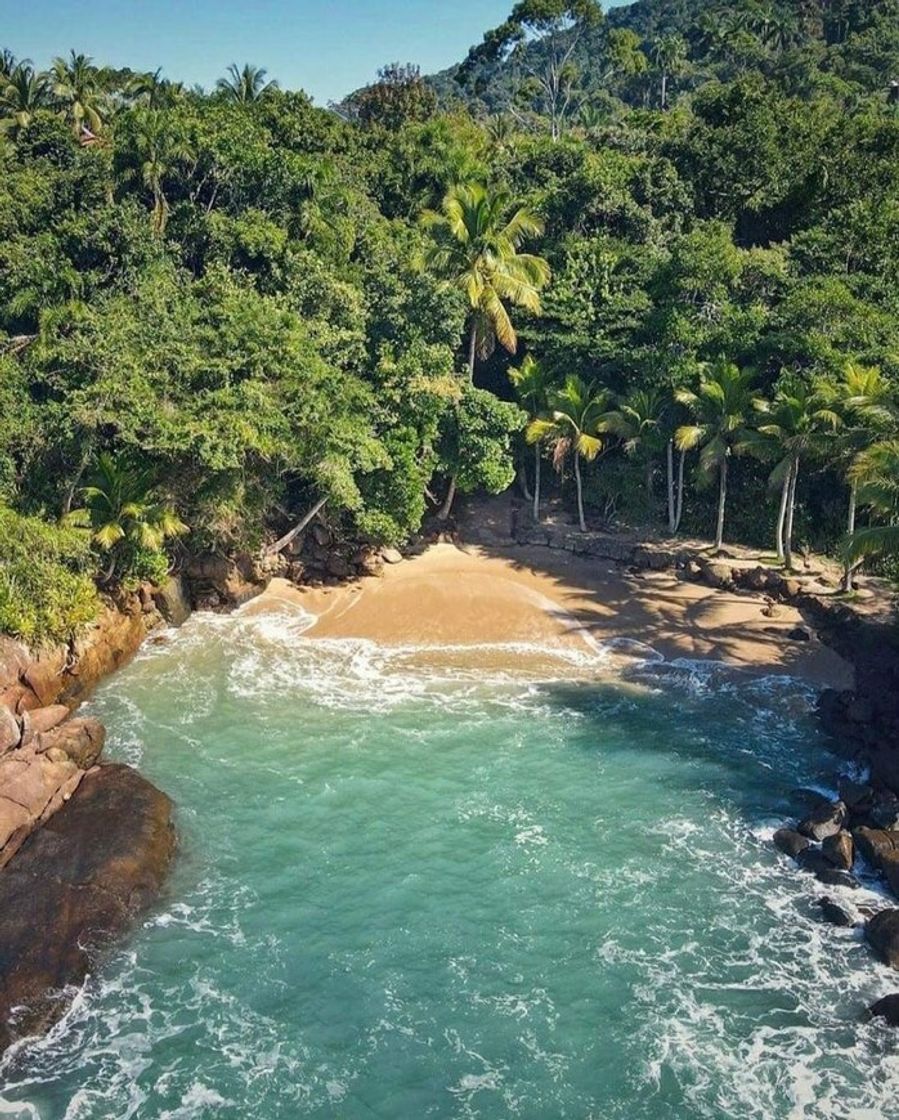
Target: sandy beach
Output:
{"points": [[535, 601]]}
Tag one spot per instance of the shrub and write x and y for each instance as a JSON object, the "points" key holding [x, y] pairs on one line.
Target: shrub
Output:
{"points": [[46, 591]]}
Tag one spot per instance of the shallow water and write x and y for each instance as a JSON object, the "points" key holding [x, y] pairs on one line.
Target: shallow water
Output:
{"points": [[418, 889]]}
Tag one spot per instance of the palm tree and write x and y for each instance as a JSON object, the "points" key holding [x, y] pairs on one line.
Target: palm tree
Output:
{"points": [[669, 53], [156, 151], [9, 62], [154, 91], [638, 420], [575, 414], [76, 85], [475, 248], [22, 93], [796, 422], [876, 475], [532, 386], [121, 511], [867, 405], [721, 406], [246, 84]]}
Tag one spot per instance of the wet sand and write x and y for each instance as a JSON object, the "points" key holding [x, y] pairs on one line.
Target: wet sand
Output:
{"points": [[515, 603]]}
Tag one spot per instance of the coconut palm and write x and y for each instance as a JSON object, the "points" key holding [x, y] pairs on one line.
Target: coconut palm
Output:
{"points": [[474, 246], [155, 151], [532, 386], [794, 425], [669, 52], [722, 405], [22, 93], [638, 420], [121, 511], [245, 84], [868, 408], [876, 475], [575, 414], [9, 62], [77, 87]]}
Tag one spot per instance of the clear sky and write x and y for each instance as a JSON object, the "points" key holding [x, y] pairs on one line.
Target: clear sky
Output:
{"points": [[326, 48]]}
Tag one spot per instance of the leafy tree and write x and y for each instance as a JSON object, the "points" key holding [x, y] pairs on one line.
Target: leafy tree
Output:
{"points": [[722, 405], [155, 151], [399, 96], [475, 247], [669, 52], [77, 87], [574, 424], [638, 420], [22, 93]]}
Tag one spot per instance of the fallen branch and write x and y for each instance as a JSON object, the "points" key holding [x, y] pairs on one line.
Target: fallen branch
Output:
{"points": [[284, 541]]}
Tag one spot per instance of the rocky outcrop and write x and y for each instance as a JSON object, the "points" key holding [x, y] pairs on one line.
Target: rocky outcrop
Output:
{"points": [[79, 881], [886, 1009], [882, 934]]}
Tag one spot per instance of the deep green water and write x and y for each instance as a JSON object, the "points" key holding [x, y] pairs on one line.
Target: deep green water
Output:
{"points": [[407, 894]]}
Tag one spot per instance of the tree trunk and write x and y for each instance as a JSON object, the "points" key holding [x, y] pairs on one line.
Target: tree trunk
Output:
{"points": [[580, 492], [791, 509], [523, 482], [649, 483], [536, 481], [79, 474], [472, 349], [664, 90], [848, 566], [284, 541], [722, 502], [669, 486], [447, 506], [782, 515], [680, 490]]}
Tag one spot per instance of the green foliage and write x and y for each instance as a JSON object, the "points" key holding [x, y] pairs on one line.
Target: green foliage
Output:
{"points": [[45, 591]]}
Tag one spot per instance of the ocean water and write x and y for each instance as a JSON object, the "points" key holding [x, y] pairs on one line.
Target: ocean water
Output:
{"points": [[417, 887]]}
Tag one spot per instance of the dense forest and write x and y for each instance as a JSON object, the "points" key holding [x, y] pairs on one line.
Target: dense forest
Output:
{"points": [[650, 257]]}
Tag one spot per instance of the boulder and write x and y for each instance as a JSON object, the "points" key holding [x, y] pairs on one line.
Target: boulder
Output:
{"points": [[10, 731], [882, 934], [172, 602], [834, 913], [391, 556], [756, 579], [33, 786], [839, 850], [790, 842], [80, 880], [827, 820], [81, 739], [873, 843], [717, 575], [886, 1008], [799, 634], [45, 719], [889, 867], [816, 863], [884, 811], [856, 795]]}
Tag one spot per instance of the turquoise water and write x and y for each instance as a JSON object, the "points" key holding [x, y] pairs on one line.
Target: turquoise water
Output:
{"points": [[409, 892]]}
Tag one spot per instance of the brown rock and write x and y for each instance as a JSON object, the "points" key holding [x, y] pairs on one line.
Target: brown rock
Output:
{"points": [[839, 850], [32, 787], [827, 820], [391, 556], [45, 719], [790, 842], [882, 934], [81, 879], [10, 732], [81, 739], [873, 843], [889, 866], [172, 602]]}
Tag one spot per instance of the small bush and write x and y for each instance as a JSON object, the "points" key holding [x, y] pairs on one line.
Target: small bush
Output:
{"points": [[46, 591]]}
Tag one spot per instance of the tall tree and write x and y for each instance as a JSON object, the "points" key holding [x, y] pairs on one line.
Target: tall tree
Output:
{"points": [[77, 87], [573, 425], [876, 476], [155, 151], [722, 406], [638, 420], [245, 84], [475, 247], [540, 37], [22, 93], [669, 52], [532, 386]]}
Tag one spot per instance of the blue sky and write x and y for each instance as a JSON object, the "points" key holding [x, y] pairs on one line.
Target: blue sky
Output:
{"points": [[326, 48]]}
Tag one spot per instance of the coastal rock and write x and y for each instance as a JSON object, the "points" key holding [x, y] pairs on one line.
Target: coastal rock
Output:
{"points": [[33, 786], [824, 821], [81, 739], [839, 850], [814, 861], [10, 731], [857, 796], [45, 719], [391, 556], [790, 842], [717, 575], [884, 811], [889, 868], [874, 843], [799, 634], [79, 880], [882, 934], [834, 913], [172, 602], [887, 1009]]}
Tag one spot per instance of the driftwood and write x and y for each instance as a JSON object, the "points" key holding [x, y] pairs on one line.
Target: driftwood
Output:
{"points": [[284, 541]]}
